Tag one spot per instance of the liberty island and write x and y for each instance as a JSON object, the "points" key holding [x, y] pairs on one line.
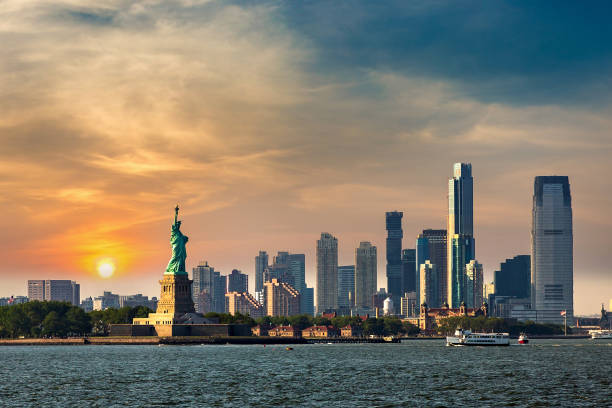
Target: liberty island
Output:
{"points": [[175, 315]]}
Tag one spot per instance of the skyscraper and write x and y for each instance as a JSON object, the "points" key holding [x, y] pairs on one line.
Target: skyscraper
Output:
{"points": [[327, 273], [460, 230], [237, 282], [428, 283], [431, 245], [394, 253], [291, 269], [366, 273], [346, 286], [409, 275], [474, 282], [552, 262], [514, 277], [261, 263], [203, 287], [460, 255]]}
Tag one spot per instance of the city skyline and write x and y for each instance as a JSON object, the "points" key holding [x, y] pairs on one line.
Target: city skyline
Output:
{"points": [[271, 123]]}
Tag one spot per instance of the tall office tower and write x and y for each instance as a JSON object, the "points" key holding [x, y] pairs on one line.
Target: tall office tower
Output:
{"points": [[281, 299], [55, 290], [307, 301], [460, 255], [346, 286], [428, 283], [243, 303], [394, 253], [219, 291], [408, 270], [460, 228], [203, 287], [552, 246], [514, 277], [296, 271], [474, 282], [327, 273], [431, 245], [237, 282], [366, 273], [261, 263]]}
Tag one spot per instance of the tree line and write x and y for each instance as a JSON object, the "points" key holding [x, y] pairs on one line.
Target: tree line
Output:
{"points": [[498, 325], [61, 319], [382, 326]]}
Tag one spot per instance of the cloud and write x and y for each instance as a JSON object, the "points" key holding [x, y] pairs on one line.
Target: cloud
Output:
{"points": [[271, 122]]}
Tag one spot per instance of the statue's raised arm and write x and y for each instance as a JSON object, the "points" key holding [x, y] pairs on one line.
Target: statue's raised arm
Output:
{"points": [[179, 252]]}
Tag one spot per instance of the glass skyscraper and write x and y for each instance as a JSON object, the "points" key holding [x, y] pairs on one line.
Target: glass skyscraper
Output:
{"points": [[514, 277], [431, 246], [346, 286], [552, 243], [460, 238], [394, 254], [261, 264], [409, 275]]}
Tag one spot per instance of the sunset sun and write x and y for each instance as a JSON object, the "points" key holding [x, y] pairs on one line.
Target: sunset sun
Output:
{"points": [[106, 268]]}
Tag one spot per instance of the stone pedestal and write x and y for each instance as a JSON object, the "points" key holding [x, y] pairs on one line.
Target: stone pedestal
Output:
{"points": [[175, 296]]}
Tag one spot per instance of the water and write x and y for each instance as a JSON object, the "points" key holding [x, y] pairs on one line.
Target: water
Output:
{"points": [[415, 373]]}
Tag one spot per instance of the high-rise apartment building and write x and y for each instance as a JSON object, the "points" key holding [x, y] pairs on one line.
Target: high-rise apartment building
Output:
{"points": [[237, 282], [327, 273], [514, 277], [552, 243], [366, 272], [281, 299], [291, 269], [243, 303], [208, 289], [408, 305], [346, 286], [428, 283], [203, 287], [261, 264], [460, 231], [394, 253], [473, 284], [409, 274], [431, 245], [55, 290]]}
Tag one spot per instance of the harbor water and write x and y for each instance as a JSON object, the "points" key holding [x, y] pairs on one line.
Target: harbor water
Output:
{"points": [[414, 373]]}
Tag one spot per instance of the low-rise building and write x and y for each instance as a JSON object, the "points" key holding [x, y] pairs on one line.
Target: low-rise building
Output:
{"points": [[285, 331], [260, 330], [429, 318], [351, 331], [106, 301], [320, 332]]}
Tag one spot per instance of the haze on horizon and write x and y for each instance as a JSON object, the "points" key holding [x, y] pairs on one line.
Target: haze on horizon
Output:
{"points": [[273, 122]]}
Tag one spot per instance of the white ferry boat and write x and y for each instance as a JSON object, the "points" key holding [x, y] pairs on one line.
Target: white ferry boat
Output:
{"points": [[467, 338], [600, 334]]}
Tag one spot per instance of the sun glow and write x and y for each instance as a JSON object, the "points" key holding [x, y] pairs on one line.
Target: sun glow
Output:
{"points": [[106, 268]]}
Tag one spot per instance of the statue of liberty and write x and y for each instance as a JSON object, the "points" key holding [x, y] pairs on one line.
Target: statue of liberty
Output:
{"points": [[179, 253]]}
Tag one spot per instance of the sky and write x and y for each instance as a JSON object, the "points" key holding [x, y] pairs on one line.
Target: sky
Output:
{"points": [[270, 122]]}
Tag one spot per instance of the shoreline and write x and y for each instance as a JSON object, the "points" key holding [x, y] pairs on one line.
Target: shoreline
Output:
{"points": [[195, 340]]}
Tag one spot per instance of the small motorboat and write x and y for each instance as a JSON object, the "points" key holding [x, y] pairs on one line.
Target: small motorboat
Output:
{"points": [[523, 339], [288, 348]]}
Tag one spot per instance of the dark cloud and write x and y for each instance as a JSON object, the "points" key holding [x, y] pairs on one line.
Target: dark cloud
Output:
{"points": [[502, 51]]}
